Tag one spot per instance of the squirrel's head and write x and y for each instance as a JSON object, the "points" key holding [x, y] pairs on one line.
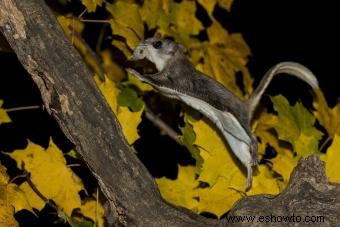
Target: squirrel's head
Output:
{"points": [[157, 50]]}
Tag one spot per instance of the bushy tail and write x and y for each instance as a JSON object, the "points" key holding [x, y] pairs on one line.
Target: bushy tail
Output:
{"points": [[291, 68]]}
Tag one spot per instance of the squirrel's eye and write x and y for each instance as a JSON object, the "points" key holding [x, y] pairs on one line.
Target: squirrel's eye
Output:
{"points": [[157, 44]]}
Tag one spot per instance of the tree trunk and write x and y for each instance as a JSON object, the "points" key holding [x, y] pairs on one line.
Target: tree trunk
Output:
{"points": [[73, 99]]}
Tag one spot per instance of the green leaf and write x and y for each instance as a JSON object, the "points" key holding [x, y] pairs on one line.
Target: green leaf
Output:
{"points": [[188, 138], [295, 125], [128, 97]]}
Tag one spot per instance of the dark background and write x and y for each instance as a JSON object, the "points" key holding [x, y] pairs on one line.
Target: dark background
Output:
{"points": [[296, 30], [305, 31]]}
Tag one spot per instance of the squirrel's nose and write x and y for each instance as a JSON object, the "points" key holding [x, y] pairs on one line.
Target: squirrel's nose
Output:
{"points": [[139, 52]]}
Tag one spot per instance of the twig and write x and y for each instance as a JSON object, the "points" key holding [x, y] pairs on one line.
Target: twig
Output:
{"points": [[329, 138], [23, 108], [94, 21], [82, 13], [73, 165], [100, 39], [17, 177], [97, 208], [162, 125], [325, 143]]}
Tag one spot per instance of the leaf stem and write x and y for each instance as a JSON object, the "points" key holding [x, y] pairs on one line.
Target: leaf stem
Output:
{"points": [[82, 13]]}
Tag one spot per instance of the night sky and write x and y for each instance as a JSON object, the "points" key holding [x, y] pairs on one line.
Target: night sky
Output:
{"points": [[305, 31]]}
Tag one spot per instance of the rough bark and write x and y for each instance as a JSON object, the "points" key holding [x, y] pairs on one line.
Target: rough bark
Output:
{"points": [[72, 98]]}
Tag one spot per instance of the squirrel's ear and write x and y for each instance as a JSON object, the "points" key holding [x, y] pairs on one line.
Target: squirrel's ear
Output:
{"points": [[158, 35], [174, 48], [180, 46]]}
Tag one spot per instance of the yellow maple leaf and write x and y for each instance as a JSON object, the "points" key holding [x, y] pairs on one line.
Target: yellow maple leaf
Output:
{"points": [[264, 182], [94, 210], [128, 120], [7, 215], [262, 128], [110, 92], [217, 199], [284, 162], [156, 14], [223, 56], [3, 175], [209, 5], [226, 4], [33, 199], [328, 117], [135, 82], [71, 25], [332, 160], [127, 14], [218, 161], [126, 22], [18, 198], [217, 34], [220, 170], [181, 192], [122, 46], [132, 39], [12, 200], [4, 118], [181, 15], [50, 175], [114, 71], [91, 5]]}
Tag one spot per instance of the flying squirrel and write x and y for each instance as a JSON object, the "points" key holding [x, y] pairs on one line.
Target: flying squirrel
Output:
{"points": [[177, 78]]}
